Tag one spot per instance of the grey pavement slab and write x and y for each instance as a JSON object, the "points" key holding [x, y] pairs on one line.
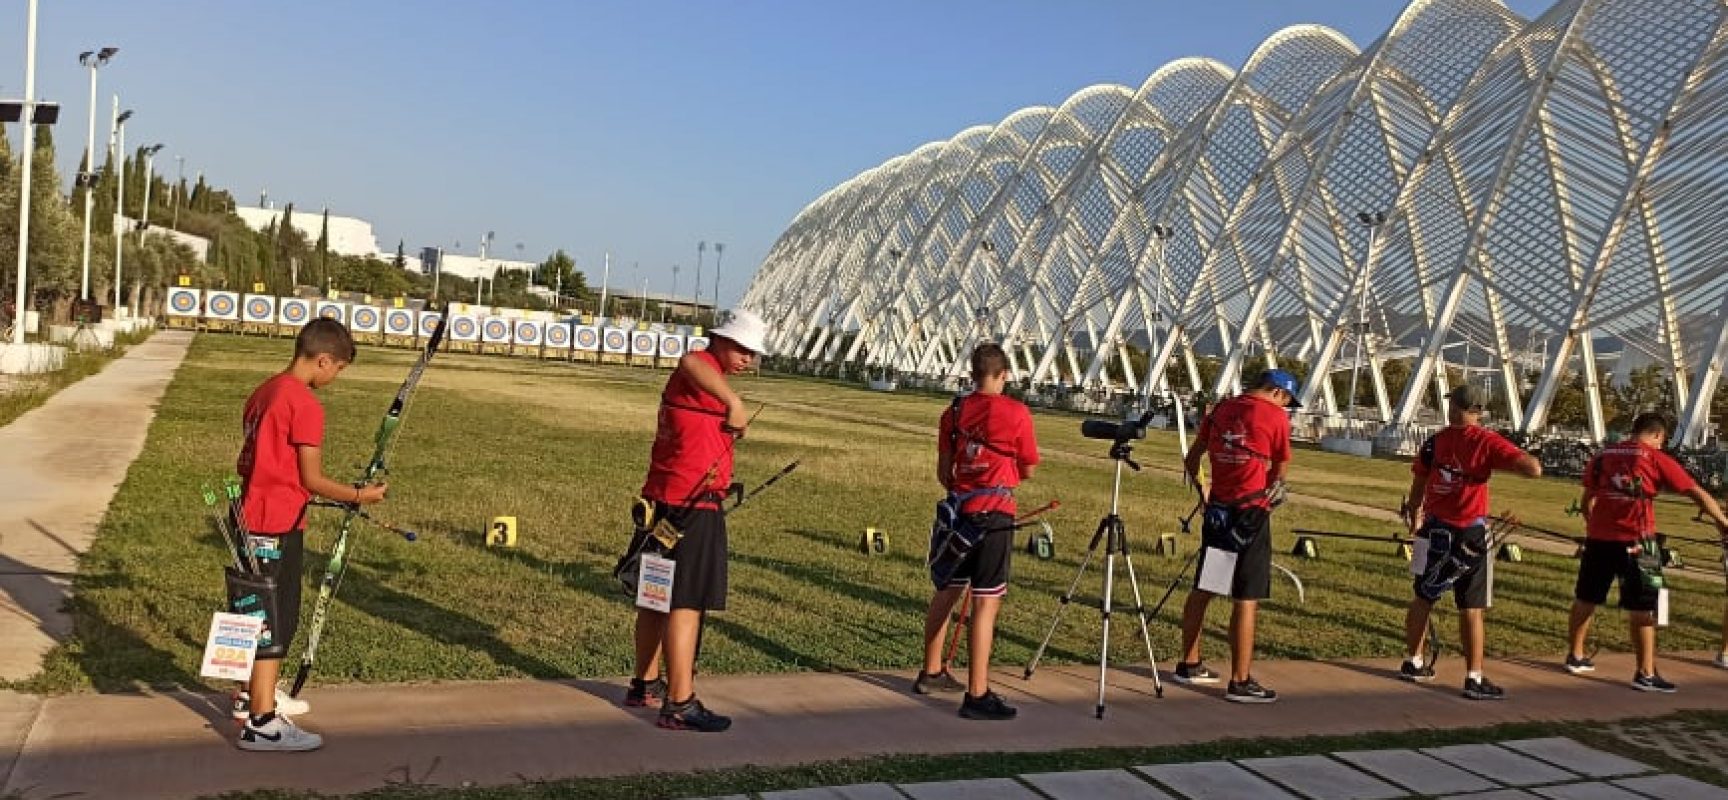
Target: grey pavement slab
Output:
{"points": [[1213, 780], [1096, 784], [856, 791], [730, 797], [1322, 778], [1422, 774], [1672, 787], [1500, 764], [1587, 761], [1497, 794], [1593, 790], [985, 789]]}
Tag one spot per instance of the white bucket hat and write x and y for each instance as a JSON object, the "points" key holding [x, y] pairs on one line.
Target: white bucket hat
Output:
{"points": [[746, 330]]}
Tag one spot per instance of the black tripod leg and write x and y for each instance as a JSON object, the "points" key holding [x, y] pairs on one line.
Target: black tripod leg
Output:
{"points": [[1067, 597]]}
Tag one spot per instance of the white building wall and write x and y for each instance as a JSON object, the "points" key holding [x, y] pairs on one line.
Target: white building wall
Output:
{"points": [[349, 236]]}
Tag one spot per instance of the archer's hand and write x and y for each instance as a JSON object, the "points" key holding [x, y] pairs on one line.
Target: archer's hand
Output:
{"points": [[372, 493]]}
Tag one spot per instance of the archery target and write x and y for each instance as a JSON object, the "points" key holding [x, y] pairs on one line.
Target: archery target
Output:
{"points": [[183, 302], [528, 331], [697, 343], [294, 311], [644, 343], [365, 319], [615, 340], [464, 328], [259, 308], [495, 330], [558, 334], [222, 305], [429, 322], [399, 322], [671, 345], [586, 338], [330, 309]]}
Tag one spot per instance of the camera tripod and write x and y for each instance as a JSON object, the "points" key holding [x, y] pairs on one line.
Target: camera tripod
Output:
{"points": [[1113, 535]]}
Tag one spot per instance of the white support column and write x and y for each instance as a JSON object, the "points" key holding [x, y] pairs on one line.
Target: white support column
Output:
{"points": [[1711, 356]]}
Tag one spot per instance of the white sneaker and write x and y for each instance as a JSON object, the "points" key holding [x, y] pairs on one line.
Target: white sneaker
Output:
{"points": [[292, 706], [280, 734], [1721, 660]]}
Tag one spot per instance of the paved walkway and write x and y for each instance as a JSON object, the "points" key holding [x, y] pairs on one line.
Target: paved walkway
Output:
{"points": [[1521, 769], [62, 463], [497, 733]]}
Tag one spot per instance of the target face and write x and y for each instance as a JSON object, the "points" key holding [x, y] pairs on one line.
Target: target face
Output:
{"points": [[527, 333], [365, 318], [588, 338], [294, 313], [671, 346], [644, 343], [615, 340], [463, 328], [497, 329], [258, 308], [399, 322], [331, 311], [184, 302], [221, 305], [429, 323], [557, 335]]}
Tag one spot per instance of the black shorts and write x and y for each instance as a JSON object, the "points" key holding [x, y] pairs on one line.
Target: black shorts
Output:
{"points": [[699, 580], [986, 567], [1456, 555], [1248, 533], [1605, 562], [283, 558]]}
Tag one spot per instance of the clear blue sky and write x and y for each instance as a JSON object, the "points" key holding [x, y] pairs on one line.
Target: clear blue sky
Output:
{"points": [[635, 127]]}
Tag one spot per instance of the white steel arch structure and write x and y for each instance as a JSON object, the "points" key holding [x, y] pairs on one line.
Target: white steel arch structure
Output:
{"points": [[1546, 186]]}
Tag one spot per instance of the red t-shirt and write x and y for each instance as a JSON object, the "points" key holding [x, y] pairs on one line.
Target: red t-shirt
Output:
{"points": [[688, 442], [1623, 481], [1244, 436], [992, 450], [281, 416], [1456, 464]]}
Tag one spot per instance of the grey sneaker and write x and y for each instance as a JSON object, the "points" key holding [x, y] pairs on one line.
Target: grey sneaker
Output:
{"points": [[292, 706], [1721, 660], [943, 681], [278, 734], [1653, 682], [1483, 689], [1578, 665], [1249, 691], [1195, 674]]}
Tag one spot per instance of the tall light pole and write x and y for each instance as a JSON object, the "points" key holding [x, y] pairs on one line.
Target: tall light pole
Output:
{"points": [[29, 116], [1372, 220], [92, 59], [663, 311], [149, 178], [479, 275], [719, 250], [179, 189], [605, 282], [120, 118], [696, 294]]}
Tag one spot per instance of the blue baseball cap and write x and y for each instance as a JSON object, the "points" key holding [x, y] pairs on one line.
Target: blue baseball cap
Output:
{"points": [[1279, 379]]}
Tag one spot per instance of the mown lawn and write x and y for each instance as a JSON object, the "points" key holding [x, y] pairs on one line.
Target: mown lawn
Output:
{"points": [[563, 448]]}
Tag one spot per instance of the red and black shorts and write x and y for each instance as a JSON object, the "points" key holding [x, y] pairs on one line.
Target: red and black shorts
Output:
{"points": [[986, 567]]}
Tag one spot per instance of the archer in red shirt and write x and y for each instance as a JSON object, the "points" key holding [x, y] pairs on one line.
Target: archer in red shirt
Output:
{"points": [[1620, 488], [1449, 487], [281, 467], [1248, 440], [981, 460]]}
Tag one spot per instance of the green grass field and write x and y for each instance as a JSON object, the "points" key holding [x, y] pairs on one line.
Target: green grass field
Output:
{"points": [[564, 448]]}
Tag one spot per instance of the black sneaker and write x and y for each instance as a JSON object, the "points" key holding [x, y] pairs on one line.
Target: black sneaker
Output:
{"points": [[943, 681], [691, 715], [642, 693], [1653, 683], [1249, 691], [1578, 665], [1483, 689], [1194, 674], [990, 706], [1410, 672]]}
